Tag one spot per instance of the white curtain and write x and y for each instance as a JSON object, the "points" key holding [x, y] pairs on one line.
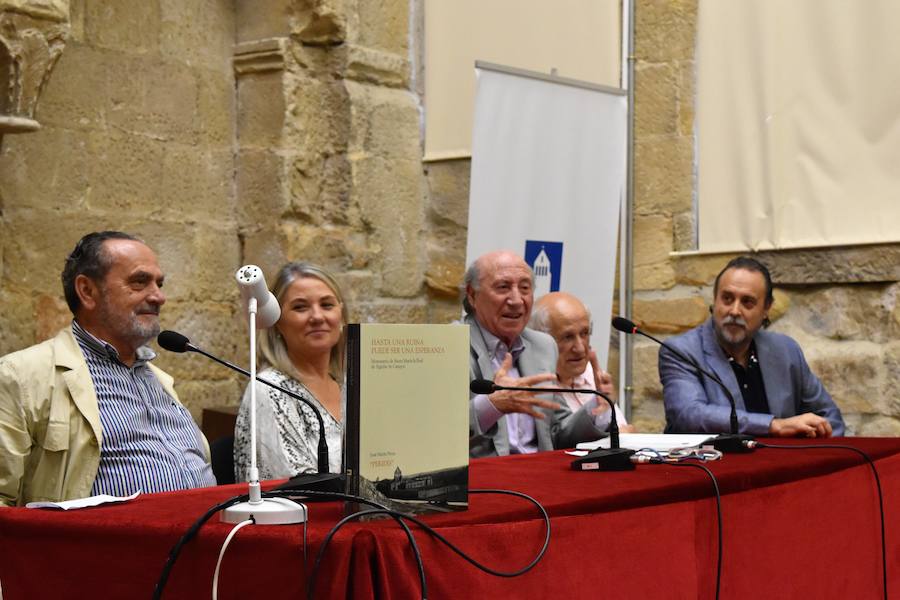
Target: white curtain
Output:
{"points": [[798, 123]]}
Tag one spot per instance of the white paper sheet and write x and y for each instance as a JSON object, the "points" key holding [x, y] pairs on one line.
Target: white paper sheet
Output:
{"points": [[84, 502], [656, 441]]}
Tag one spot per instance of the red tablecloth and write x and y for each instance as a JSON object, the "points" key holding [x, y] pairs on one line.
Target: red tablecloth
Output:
{"points": [[797, 524]]}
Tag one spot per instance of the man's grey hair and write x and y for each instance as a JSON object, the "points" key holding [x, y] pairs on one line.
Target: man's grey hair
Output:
{"points": [[540, 317], [472, 278]]}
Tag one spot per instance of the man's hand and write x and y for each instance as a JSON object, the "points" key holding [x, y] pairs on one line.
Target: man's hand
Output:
{"points": [[602, 380], [507, 401], [805, 425], [603, 383]]}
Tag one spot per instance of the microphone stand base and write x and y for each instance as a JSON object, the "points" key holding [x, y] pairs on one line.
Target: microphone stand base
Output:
{"points": [[612, 459], [269, 511], [732, 442]]}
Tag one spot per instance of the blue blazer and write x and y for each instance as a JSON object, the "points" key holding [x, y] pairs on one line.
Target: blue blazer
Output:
{"points": [[695, 404]]}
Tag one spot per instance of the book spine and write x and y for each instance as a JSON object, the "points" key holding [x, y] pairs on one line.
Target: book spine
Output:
{"points": [[351, 426]]}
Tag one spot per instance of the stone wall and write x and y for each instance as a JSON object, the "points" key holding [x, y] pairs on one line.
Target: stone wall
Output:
{"points": [[270, 130], [329, 164], [137, 134], [232, 132]]}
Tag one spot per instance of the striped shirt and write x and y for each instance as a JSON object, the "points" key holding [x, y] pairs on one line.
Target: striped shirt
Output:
{"points": [[150, 442]]}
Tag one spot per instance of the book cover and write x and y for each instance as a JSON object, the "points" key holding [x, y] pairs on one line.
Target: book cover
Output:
{"points": [[407, 443]]}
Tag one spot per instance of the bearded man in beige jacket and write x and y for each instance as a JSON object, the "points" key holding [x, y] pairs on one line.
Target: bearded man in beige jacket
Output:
{"points": [[84, 413]]}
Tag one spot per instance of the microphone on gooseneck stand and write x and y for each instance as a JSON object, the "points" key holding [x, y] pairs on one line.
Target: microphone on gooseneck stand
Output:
{"points": [[252, 285], [613, 458], [725, 442], [322, 481]]}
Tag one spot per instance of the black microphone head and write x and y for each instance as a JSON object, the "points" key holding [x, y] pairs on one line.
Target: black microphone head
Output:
{"points": [[481, 386], [624, 325], [173, 341]]}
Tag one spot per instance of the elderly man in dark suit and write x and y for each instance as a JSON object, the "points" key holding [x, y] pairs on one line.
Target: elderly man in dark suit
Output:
{"points": [[498, 299], [775, 391]]}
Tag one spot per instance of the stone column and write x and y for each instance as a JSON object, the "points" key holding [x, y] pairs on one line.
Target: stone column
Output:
{"points": [[32, 36], [329, 161]]}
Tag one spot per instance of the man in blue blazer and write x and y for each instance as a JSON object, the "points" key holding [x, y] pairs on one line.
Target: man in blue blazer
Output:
{"points": [[775, 391]]}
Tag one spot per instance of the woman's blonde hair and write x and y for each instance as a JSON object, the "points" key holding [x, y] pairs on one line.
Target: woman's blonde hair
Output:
{"points": [[271, 342]]}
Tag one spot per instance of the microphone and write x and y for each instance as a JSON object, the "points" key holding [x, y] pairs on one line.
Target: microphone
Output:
{"points": [[252, 284], [733, 442], [176, 342], [612, 459], [484, 387]]}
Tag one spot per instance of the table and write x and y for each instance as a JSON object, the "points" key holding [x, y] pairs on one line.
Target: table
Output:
{"points": [[797, 524]]}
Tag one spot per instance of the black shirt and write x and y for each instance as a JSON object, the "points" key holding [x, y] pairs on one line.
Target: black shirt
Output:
{"points": [[750, 381]]}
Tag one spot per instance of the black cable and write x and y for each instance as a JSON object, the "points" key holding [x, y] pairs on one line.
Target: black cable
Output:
{"points": [[397, 517], [313, 495], [877, 485], [188, 536], [428, 529], [192, 531], [718, 516], [660, 461], [323, 496], [478, 565]]}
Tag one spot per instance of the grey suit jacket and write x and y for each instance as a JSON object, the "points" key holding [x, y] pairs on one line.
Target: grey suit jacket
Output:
{"points": [[560, 427], [696, 404]]}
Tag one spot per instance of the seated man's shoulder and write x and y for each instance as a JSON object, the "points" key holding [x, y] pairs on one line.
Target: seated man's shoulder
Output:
{"points": [[36, 364], [539, 339], [692, 338], [31, 358], [780, 340]]}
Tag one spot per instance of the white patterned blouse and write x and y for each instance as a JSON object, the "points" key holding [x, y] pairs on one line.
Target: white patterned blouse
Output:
{"points": [[287, 431]]}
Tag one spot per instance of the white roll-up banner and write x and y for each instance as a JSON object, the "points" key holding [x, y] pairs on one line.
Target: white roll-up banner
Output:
{"points": [[548, 175]]}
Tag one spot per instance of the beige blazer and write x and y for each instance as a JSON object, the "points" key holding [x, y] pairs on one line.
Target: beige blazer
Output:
{"points": [[50, 431]]}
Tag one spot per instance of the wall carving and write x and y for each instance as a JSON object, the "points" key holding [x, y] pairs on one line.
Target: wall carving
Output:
{"points": [[33, 34]]}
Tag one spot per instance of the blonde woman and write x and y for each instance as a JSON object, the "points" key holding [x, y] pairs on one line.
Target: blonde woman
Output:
{"points": [[304, 353]]}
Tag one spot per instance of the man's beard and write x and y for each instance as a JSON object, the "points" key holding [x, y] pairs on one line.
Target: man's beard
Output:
{"points": [[130, 327], [730, 338]]}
